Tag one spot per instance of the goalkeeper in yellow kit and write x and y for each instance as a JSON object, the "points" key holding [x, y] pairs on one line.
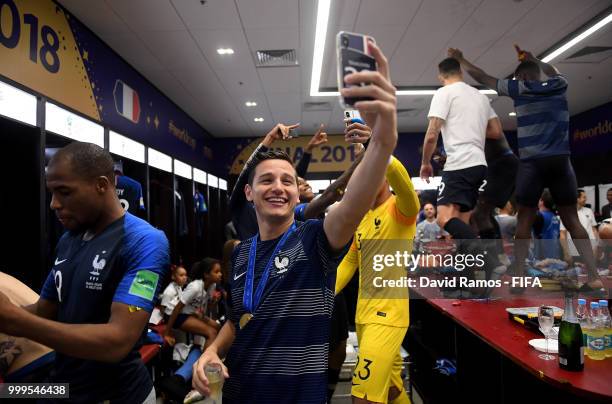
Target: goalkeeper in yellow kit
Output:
{"points": [[382, 316]]}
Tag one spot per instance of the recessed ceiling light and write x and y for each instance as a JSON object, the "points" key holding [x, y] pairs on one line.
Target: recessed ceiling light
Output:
{"points": [[225, 51], [250, 104], [512, 114], [258, 119]]}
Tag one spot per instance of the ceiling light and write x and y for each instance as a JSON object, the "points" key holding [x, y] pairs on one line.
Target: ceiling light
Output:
{"points": [[512, 114], [225, 51], [319, 47], [574, 39], [258, 119], [317, 60], [250, 104]]}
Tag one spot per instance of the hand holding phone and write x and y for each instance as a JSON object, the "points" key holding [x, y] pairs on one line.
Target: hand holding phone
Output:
{"points": [[380, 113], [357, 132]]}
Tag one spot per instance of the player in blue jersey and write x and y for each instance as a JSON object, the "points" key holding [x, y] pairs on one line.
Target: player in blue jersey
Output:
{"points": [[128, 190], [283, 279], [96, 302], [543, 141]]}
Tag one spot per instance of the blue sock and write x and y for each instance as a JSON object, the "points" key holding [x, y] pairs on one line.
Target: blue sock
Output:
{"points": [[186, 371]]}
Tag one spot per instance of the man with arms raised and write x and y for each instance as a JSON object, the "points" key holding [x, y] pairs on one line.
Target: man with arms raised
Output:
{"points": [[276, 339], [543, 141]]}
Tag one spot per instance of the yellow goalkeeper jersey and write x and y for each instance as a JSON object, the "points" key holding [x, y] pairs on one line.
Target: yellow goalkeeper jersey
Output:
{"points": [[391, 225]]}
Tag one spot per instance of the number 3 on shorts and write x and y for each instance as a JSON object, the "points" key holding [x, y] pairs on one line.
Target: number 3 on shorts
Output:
{"points": [[364, 373], [483, 186]]}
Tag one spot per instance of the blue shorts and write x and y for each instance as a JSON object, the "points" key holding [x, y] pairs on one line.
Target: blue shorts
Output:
{"points": [[180, 320]]}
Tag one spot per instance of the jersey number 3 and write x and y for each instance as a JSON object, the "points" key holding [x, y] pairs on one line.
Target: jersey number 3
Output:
{"points": [[364, 373]]}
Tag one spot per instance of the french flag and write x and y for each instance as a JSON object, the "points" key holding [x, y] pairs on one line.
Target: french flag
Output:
{"points": [[126, 101]]}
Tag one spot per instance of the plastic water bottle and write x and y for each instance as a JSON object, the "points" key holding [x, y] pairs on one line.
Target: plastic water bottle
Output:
{"points": [[582, 316], [607, 325], [595, 338]]}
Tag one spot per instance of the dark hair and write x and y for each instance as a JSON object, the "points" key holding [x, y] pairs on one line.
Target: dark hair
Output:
{"points": [[547, 200], [429, 203], [609, 190], [88, 160], [449, 67], [174, 269], [203, 267], [580, 191], [528, 67], [268, 155]]}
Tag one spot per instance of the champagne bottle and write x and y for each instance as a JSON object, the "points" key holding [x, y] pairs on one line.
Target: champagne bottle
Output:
{"points": [[571, 347]]}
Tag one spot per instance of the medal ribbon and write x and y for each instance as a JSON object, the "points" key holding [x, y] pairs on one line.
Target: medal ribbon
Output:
{"points": [[248, 302]]}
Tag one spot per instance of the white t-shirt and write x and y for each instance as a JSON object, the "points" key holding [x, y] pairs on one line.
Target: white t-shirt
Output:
{"points": [[195, 297], [466, 113], [587, 220], [171, 296]]}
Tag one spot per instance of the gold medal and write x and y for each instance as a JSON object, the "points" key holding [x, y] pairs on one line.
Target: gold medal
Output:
{"points": [[246, 317]]}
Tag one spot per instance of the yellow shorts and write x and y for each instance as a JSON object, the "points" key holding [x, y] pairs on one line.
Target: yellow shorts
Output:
{"points": [[379, 364]]}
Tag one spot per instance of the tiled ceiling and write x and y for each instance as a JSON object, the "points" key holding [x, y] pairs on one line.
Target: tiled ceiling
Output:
{"points": [[173, 43]]}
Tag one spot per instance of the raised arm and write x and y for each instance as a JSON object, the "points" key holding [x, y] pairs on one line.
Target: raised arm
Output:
{"points": [[546, 68], [347, 268], [477, 73], [332, 193], [316, 140], [279, 131], [381, 115], [407, 198]]}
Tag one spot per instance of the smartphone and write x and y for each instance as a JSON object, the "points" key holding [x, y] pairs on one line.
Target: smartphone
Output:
{"points": [[353, 56], [353, 116]]}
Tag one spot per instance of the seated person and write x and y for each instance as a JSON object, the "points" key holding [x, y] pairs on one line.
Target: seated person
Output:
{"points": [[173, 292], [188, 314], [22, 360]]}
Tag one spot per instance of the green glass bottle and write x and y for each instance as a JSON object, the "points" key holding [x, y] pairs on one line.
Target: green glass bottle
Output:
{"points": [[571, 346]]}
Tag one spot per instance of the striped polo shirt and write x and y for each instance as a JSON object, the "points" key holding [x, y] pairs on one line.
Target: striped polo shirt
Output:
{"points": [[280, 356], [542, 115]]}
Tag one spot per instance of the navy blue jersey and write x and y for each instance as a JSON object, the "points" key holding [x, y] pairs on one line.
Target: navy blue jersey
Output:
{"points": [[125, 263], [542, 116], [280, 356], [299, 212], [129, 192]]}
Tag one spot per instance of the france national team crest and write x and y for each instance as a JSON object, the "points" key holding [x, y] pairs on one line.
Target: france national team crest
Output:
{"points": [[281, 264], [97, 265]]}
